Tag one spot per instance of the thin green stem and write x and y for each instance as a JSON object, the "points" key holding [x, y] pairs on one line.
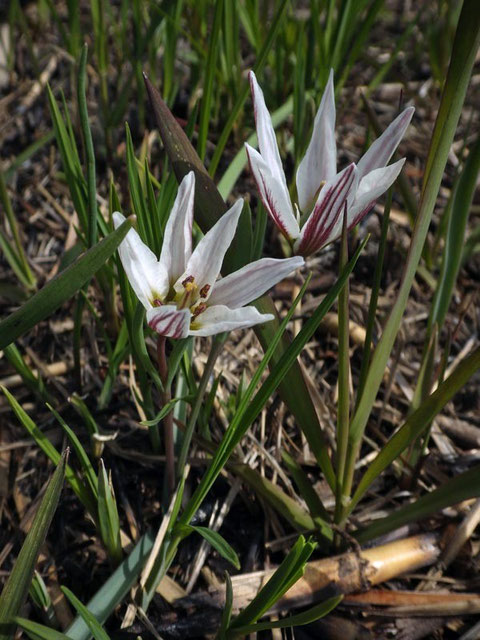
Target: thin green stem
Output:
{"points": [[217, 346], [372, 308], [89, 150], [343, 411], [168, 419]]}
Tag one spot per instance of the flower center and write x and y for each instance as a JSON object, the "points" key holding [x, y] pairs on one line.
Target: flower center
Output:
{"points": [[188, 296]]}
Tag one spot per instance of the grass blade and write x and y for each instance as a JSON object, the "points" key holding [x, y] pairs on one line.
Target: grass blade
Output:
{"points": [[464, 51], [38, 631], [84, 495], [89, 151], [17, 585], [60, 288], [260, 61], [114, 590], [95, 627], [210, 69], [218, 543], [454, 242], [306, 617], [417, 422], [108, 515], [462, 487]]}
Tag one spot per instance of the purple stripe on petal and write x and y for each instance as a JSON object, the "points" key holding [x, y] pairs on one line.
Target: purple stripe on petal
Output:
{"points": [[318, 228], [169, 321], [274, 197], [359, 216]]}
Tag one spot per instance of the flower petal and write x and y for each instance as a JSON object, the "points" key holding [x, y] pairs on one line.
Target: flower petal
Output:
{"points": [[177, 241], [383, 148], [206, 261], [275, 200], [370, 189], [267, 141], [220, 318], [146, 275], [169, 321], [320, 226], [251, 281], [320, 160]]}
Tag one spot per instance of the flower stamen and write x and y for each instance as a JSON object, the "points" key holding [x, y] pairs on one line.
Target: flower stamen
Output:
{"points": [[198, 309], [204, 291]]}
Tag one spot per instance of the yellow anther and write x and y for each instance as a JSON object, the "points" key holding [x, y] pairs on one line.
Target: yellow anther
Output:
{"points": [[189, 287]]}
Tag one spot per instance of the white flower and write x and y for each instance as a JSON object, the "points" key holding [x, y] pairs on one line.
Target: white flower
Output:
{"points": [[322, 192], [180, 291]]}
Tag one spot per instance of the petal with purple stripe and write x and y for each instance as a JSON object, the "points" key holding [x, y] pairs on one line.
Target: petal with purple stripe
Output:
{"points": [[169, 321], [275, 198], [318, 230], [267, 141]]}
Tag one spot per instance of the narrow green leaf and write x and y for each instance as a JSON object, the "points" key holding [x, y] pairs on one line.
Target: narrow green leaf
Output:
{"points": [[455, 238], [139, 201], [80, 452], [95, 627], [290, 570], [39, 594], [210, 70], [60, 288], [464, 51], [284, 504], [227, 609], [38, 631], [108, 519], [17, 585], [372, 306], [33, 381], [461, 487], [114, 590], [306, 617], [218, 543], [417, 422], [27, 153], [305, 487], [85, 496], [165, 410], [89, 151], [18, 259], [70, 160], [343, 381]]}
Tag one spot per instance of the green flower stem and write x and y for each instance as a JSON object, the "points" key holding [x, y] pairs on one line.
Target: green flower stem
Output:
{"points": [[217, 346], [343, 412], [168, 419]]}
